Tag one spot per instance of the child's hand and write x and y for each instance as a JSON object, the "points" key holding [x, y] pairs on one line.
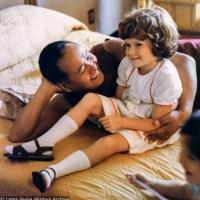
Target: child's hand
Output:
{"points": [[111, 122]]}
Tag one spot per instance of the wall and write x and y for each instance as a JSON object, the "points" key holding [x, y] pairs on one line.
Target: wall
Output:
{"points": [[185, 13], [111, 12], [75, 8], [107, 13]]}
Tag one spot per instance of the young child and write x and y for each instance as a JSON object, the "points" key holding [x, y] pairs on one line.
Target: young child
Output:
{"points": [[189, 158], [148, 88]]}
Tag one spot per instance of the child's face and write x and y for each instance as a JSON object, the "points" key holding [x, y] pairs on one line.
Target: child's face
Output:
{"points": [[140, 54], [191, 164]]}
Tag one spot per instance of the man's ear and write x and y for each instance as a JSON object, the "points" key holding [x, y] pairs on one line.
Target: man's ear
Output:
{"points": [[64, 87]]}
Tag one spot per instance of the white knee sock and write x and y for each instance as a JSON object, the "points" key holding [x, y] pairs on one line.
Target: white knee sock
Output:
{"points": [[64, 127], [77, 161]]}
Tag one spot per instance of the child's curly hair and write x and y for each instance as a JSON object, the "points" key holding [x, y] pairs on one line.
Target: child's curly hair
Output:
{"points": [[154, 24]]}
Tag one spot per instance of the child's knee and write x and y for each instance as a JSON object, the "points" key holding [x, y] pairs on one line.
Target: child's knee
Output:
{"points": [[114, 144], [92, 101]]}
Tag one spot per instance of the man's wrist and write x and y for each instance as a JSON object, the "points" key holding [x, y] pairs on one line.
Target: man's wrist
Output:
{"points": [[184, 115], [47, 89], [44, 93]]}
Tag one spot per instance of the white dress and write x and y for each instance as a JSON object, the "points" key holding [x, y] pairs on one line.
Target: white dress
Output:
{"points": [[160, 86]]}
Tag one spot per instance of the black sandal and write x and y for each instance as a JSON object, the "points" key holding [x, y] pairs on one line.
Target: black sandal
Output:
{"points": [[38, 180], [19, 153]]}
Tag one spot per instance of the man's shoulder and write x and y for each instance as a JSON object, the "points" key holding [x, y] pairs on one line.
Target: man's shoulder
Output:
{"points": [[111, 47], [97, 48], [107, 61]]}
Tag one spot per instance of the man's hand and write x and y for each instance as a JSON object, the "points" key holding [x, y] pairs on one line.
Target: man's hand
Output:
{"points": [[50, 86], [111, 122], [35, 108], [169, 124]]}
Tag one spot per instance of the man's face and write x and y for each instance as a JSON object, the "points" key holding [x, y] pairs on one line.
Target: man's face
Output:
{"points": [[82, 68]]}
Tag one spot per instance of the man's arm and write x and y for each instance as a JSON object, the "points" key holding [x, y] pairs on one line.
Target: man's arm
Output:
{"points": [[29, 116], [170, 123], [186, 67]]}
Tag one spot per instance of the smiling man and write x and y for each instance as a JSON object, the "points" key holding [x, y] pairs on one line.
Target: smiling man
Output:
{"points": [[70, 67]]}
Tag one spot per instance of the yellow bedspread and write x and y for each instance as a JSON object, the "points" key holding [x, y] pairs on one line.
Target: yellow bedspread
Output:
{"points": [[103, 181]]}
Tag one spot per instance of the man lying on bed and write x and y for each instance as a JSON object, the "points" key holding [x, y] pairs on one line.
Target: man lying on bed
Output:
{"points": [[45, 113]]}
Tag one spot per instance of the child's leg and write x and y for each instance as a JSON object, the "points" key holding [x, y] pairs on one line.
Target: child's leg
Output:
{"points": [[80, 160], [106, 147], [69, 123]]}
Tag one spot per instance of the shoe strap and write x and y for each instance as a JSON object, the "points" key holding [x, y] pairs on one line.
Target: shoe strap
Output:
{"points": [[40, 150], [44, 170], [37, 143], [54, 173], [19, 150]]}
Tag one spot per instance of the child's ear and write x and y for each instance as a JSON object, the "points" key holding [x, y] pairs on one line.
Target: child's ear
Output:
{"points": [[64, 87]]}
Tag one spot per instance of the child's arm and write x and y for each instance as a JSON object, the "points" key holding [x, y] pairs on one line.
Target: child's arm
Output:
{"points": [[170, 123], [148, 124], [113, 122], [119, 91], [169, 188]]}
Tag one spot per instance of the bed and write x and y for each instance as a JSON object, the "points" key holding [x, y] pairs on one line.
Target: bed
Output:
{"points": [[25, 30]]}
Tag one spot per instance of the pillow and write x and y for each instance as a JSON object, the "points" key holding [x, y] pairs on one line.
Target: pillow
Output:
{"points": [[25, 30], [87, 38], [11, 102]]}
